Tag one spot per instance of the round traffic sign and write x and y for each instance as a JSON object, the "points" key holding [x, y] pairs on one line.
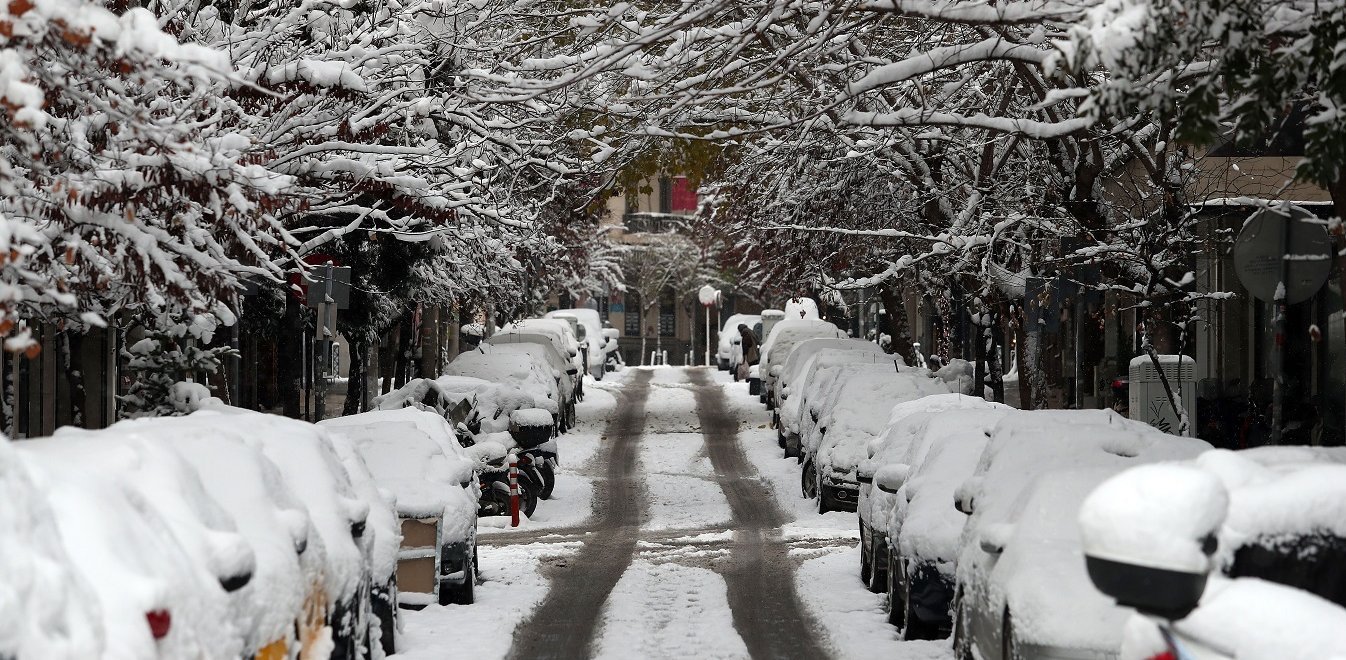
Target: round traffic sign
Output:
{"points": [[1291, 240]]}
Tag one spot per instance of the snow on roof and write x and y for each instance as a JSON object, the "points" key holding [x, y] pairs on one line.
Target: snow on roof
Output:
{"points": [[250, 487], [1042, 573], [512, 368], [797, 330], [796, 391], [45, 609]]}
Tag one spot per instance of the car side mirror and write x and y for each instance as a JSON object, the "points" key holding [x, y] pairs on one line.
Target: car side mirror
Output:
{"points": [[994, 537], [865, 472], [1148, 534], [890, 478], [965, 496]]}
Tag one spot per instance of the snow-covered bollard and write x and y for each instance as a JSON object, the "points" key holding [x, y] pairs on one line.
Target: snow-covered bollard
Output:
{"points": [[513, 490]]}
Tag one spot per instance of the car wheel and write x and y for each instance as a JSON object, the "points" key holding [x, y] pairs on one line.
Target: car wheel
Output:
{"points": [[896, 613], [877, 581], [1009, 647], [823, 504], [866, 559], [962, 644], [804, 482], [465, 592], [914, 628], [780, 439]]}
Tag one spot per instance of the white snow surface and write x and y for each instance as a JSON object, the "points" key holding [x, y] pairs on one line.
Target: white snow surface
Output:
{"points": [[45, 611], [857, 409], [666, 610], [1252, 619]]}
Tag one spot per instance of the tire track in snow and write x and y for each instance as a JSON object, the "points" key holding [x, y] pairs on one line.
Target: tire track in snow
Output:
{"points": [[766, 608], [563, 625]]}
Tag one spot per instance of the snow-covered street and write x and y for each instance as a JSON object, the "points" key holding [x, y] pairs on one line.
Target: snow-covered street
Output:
{"points": [[685, 537]]}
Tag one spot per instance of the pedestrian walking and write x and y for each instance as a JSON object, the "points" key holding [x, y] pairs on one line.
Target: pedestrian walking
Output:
{"points": [[748, 343]]}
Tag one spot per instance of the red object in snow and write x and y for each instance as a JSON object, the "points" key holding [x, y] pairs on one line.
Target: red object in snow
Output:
{"points": [[513, 491], [160, 622]]}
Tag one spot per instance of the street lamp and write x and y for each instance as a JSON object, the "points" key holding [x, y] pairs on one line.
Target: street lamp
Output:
{"points": [[708, 295]]}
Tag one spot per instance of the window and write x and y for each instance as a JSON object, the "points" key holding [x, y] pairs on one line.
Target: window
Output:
{"points": [[632, 314], [665, 195], [668, 314]]}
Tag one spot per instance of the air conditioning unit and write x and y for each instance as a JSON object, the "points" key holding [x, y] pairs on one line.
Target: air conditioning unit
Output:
{"points": [[1149, 403]]}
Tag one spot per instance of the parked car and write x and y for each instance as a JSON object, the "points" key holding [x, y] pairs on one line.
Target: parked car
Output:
{"points": [[1020, 589], [899, 450], [592, 339], [45, 606], [1149, 535], [800, 359], [916, 535], [305, 456], [288, 604], [154, 599], [414, 455], [522, 371], [854, 412], [814, 379], [783, 337], [565, 339], [548, 360], [801, 308], [1268, 517], [725, 355]]}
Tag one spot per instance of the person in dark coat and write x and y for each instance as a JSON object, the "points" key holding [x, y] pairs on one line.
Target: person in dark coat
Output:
{"points": [[749, 344]]}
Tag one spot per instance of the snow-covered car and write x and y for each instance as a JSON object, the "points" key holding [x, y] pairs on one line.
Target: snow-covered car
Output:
{"points": [[305, 456], [592, 339], [800, 359], [898, 451], [726, 355], [522, 371], [380, 543], [480, 405], [921, 528], [1282, 527], [155, 599], [812, 381], [287, 604], [1020, 584], [410, 453], [854, 413], [45, 608], [777, 346], [563, 337], [547, 359]]}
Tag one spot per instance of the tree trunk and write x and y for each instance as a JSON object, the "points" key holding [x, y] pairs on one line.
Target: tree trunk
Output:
{"points": [[898, 328], [291, 359], [449, 336], [355, 379], [71, 344], [372, 369], [429, 363]]}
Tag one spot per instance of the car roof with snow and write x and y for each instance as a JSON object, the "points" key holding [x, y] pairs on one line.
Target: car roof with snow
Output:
{"points": [[317, 478], [908, 434], [563, 337], [518, 369], [789, 332], [858, 410], [406, 459], [799, 359], [132, 564], [139, 454], [1027, 444]]}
